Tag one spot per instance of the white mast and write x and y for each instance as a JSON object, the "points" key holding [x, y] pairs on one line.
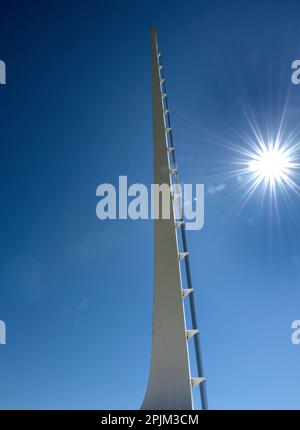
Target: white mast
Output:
{"points": [[170, 384]]}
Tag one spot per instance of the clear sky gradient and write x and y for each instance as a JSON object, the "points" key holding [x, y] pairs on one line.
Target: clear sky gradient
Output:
{"points": [[75, 292]]}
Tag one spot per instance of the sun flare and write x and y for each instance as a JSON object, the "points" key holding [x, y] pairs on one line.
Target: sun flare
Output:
{"points": [[271, 164], [266, 163]]}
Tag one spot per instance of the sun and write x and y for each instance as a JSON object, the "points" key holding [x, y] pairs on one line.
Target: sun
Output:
{"points": [[271, 165], [265, 163], [269, 160]]}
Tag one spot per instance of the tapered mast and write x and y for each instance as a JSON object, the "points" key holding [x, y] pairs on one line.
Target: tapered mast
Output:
{"points": [[170, 384]]}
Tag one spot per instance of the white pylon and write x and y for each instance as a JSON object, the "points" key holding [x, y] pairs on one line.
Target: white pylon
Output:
{"points": [[170, 383]]}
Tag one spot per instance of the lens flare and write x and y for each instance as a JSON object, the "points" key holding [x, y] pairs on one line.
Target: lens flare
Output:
{"points": [[272, 165], [268, 162]]}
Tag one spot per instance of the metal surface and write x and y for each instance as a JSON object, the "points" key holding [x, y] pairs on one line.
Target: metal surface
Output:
{"points": [[170, 384], [198, 353]]}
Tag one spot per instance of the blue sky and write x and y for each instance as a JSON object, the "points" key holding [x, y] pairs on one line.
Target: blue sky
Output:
{"points": [[76, 293]]}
